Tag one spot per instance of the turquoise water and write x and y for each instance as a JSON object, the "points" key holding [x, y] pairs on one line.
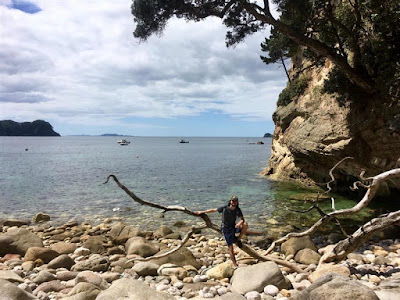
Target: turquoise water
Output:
{"points": [[63, 176]]}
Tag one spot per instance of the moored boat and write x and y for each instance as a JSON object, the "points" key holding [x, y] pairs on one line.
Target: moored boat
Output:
{"points": [[124, 142]]}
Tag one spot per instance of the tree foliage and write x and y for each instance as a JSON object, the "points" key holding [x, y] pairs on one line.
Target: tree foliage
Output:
{"points": [[359, 36]]}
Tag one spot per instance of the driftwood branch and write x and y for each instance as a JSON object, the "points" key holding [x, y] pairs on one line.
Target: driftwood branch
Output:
{"points": [[370, 193], [208, 224]]}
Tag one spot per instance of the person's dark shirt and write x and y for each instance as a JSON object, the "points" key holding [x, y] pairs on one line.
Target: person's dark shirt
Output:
{"points": [[229, 216]]}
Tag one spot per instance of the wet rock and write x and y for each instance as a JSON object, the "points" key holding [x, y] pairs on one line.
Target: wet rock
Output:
{"points": [[15, 222], [334, 286], [10, 291], [162, 231], [41, 217], [18, 240], [294, 244], [256, 277], [45, 254], [132, 289]]}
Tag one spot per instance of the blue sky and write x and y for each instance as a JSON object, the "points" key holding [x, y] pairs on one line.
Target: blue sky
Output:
{"points": [[76, 65]]}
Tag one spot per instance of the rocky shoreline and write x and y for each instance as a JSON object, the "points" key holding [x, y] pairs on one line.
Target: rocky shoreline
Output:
{"points": [[84, 262]]}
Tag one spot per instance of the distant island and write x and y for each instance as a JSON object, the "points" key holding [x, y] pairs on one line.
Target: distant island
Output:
{"points": [[268, 135], [112, 134], [35, 128]]}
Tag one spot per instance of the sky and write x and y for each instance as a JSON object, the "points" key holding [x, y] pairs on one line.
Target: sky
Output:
{"points": [[77, 65]]}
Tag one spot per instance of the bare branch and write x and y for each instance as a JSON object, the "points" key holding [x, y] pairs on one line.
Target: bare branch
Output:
{"points": [[208, 224]]}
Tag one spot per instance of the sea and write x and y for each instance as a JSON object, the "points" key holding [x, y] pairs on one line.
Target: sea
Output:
{"points": [[64, 177]]}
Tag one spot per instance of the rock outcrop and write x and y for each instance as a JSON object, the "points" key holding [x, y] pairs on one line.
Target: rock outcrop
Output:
{"points": [[315, 131], [35, 128]]}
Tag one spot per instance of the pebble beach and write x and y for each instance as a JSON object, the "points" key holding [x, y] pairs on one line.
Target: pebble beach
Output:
{"points": [[83, 261]]}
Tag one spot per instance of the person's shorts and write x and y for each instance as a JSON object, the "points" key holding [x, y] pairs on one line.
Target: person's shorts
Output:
{"points": [[230, 235]]}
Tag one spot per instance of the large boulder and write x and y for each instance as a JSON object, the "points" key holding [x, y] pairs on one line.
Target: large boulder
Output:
{"points": [[130, 289], [15, 222], [41, 217], [10, 291], [18, 240], [182, 257], [45, 254], [120, 233], [256, 277], [95, 263], [294, 244], [334, 286], [140, 246]]}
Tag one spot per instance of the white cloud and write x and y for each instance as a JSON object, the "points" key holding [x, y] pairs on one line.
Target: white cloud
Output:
{"points": [[77, 62]]}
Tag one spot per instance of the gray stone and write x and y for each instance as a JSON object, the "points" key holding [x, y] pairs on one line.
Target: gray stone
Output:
{"points": [[92, 278], [96, 263], [63, 261], [41, 217], [140, 246], [163, 231], [307, 256], [44, 276], [45, 254], [51, 286], [146, 268], [15, 222], [10, 276], [18, 240], [95, 244], [130, 289], [182, 257], [256, 277], [120, 233], [64, 248], [9, 291], [334, 286], [83, 291]]}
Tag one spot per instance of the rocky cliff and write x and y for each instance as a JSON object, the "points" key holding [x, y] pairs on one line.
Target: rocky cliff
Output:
{"points": [[35, 128], [314, 131]]}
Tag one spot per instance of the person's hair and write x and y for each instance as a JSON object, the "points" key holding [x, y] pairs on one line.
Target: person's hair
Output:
{"points": [[233, 198]]}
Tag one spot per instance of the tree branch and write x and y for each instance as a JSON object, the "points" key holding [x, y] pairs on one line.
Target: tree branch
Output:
{"points": [[208, 224]]}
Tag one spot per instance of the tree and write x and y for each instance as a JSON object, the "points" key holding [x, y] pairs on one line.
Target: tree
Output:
{"points": [[358, 36]]}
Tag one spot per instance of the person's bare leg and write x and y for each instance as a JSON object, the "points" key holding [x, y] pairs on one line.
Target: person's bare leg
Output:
{"points": [[232, 255], [243, 230]]}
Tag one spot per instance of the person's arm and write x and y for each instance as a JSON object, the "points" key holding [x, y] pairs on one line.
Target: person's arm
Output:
{"points": [[240, 215], [206, 211]]}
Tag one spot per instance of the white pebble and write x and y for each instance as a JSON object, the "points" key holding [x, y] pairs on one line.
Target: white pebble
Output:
{"points": [[222, 291], [271, 290], [178, 285], [253, 295]]}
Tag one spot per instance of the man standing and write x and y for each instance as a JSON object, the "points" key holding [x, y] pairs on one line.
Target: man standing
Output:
{"points": [[229, 227]]}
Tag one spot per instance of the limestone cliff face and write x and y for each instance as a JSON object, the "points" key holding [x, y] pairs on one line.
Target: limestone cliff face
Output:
{"points": [[313, 132]]}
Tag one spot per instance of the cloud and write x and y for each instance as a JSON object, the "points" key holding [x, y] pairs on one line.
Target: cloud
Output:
{"points": [[77, 61]]}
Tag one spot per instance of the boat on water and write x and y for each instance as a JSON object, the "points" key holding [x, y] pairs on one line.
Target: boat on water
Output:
{"points": [[183, 141], [124, 142]]}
